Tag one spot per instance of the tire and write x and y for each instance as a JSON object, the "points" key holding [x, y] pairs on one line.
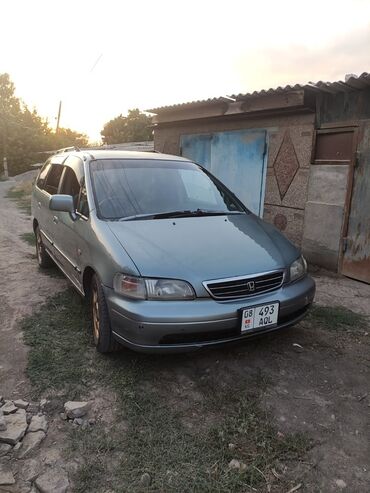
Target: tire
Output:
{"points": [[100, 322], [43, 258]]}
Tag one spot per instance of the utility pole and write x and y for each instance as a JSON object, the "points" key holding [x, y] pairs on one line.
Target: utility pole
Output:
{"points": [[58, 119]]}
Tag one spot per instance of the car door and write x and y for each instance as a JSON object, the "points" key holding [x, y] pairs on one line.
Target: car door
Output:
{"points": [[47, 185], [65, 241], [84, 235], [39, 196]]}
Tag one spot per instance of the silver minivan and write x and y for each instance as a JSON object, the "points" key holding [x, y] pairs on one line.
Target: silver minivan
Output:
{"points": [[169, 258]]}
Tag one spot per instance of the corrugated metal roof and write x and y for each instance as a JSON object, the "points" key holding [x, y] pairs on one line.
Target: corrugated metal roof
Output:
{"points": [[200, 102], [352, 83]]}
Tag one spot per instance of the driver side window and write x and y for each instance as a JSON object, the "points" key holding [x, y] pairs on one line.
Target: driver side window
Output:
{"points": [[70, 185]]}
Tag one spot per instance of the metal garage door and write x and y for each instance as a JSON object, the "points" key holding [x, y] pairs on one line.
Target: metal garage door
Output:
{"points": [[356, 259], [237, 158]]}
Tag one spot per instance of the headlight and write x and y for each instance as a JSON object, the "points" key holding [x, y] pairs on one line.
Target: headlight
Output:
{"points": [[298, 268], [152, 289]]}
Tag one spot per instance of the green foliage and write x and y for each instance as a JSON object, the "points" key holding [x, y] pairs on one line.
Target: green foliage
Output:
{"points": [[29, 238], [24, 135], [66, 138], [135, 127], [21, 194], [64, 316], [336, 317]]}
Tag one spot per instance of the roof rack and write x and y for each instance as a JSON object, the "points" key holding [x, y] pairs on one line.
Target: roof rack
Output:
{"points": [[67, 149]]}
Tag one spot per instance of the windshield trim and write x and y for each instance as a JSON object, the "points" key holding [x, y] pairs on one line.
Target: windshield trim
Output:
{"points": [[178, 215]]}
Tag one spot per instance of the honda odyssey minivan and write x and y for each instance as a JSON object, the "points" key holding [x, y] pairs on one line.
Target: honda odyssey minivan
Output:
{"points": [[169, 258]]}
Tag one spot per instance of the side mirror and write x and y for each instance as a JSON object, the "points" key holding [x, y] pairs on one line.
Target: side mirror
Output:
{"points": [[62, 203]]}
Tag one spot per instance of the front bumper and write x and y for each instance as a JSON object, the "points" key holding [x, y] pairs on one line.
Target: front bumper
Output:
{"points": [[177, 326]]}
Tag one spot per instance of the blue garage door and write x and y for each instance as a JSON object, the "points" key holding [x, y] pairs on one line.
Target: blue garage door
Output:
{"points": [[237, 158]]}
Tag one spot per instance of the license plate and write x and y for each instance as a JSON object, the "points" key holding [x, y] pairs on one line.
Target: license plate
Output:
{"points": [[257, 317]]}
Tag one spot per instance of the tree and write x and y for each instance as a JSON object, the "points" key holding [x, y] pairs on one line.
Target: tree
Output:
{"points": [[65, 137], [21, 131], [24, 135], [135, 127]]}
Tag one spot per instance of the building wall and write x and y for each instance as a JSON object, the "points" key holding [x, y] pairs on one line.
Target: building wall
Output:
{"points": [[324, 214], [328, 183], [289, 140]]}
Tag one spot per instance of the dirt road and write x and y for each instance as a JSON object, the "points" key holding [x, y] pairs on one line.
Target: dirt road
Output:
{"points": [[22, 288]]}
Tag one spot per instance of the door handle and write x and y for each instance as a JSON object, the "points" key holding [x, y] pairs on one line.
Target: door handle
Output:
{"points": [[39, 205], [55, 220]]}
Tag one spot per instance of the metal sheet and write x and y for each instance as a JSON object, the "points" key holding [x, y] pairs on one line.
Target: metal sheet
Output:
{"points": [[334, 146], [197, 148], [237, 158], [356, 259], [351, 84]]}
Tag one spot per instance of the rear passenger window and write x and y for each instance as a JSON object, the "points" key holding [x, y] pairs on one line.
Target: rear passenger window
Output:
{"points": [[53, 179], [43, 174], [70, 185]]}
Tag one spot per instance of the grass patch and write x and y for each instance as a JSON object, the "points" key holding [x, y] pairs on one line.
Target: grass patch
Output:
{"points": [[59, 345], [54, 271], [29, 238], [181, 441], [21, 194], [336, 317]]}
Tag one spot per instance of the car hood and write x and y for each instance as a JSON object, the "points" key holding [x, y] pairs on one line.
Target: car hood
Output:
{"points": [[203, 248]]}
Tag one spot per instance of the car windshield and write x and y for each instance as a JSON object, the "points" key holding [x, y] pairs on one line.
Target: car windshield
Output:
{"points": [[139, 189]]}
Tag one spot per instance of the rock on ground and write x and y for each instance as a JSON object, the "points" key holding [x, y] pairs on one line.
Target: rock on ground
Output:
{"points": [[2, 421], [38, 423], [145, 479], [6, 475], [4, 449], [43, 403], [20, 403], [8, 408], [16, 426], [30, 442], [31, 468], [235, 464], [53, 481], [75, 409]]}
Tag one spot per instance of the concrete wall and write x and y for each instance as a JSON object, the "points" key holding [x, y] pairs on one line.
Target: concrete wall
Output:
{"points": [[324, 214], [289, 152]]}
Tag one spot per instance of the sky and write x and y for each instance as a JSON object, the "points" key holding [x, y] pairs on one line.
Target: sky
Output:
{"points": [[103, 58]]}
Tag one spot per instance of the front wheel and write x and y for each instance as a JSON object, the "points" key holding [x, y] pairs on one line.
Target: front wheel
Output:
{"points": [[102, 332], [42, 256]]}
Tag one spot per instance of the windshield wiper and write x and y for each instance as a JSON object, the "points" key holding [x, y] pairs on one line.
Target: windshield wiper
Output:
{"points": [[174, 214]]}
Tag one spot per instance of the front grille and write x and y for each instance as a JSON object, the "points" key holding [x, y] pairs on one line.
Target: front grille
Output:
{"points": [[241, 287]]}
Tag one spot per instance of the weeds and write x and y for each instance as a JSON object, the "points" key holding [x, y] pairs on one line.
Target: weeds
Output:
{"points": [[29, 238], [336, 317], [60, 345], [21, 194]]}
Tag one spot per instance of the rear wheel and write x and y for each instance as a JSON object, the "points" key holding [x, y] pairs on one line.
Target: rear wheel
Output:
{"points": [[42, 256], [101, 328]]}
